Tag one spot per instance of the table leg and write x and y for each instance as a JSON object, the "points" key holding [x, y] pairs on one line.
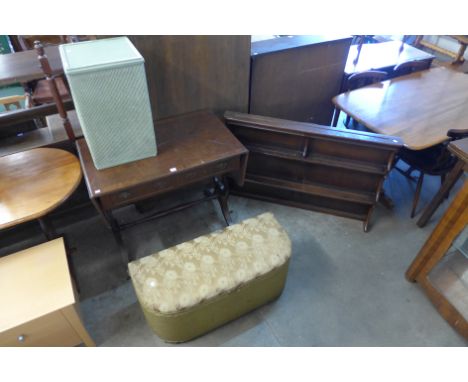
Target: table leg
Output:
{"points": [[222, 190], [366, 223], [386, 201], [449, 182], [112, 224], [47, 228], [336, 116], [116, 231]]}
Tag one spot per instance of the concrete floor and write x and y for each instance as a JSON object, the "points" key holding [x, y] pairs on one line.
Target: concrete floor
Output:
{"points": [[345, 287]]}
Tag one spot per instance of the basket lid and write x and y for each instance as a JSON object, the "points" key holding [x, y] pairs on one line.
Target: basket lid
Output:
{"points": [[87, 56]]}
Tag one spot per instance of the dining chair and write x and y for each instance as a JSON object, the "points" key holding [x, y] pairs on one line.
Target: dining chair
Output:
{"points": [[13, 103], [39, 90], [15, 100], [359, 39], [26, 42], [409, 67], [41, 93], [436, 161], [53, 88], [456, 56], [361, 79]]}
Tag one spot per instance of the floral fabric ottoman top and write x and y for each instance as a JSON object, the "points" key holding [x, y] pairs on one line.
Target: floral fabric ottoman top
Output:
{"points": [[182, 276]]}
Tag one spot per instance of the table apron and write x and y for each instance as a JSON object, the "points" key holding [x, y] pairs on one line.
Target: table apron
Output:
{"points": [[175, 181]]}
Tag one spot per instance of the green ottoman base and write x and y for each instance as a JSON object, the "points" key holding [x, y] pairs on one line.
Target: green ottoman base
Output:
{"points": [[209, 315], [195, 287]]}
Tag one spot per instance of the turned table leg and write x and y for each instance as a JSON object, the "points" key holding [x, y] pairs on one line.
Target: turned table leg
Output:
{"points": [[112, 224], [336, 116], [47, 228], [222, 190], [449, 182]]}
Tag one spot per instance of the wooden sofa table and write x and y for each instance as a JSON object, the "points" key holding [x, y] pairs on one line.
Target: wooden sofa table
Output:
{"points": [[191, 148], [37, 299]]}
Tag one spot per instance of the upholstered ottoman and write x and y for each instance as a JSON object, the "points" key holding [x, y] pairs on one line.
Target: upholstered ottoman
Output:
{"points": [[194, 287]]}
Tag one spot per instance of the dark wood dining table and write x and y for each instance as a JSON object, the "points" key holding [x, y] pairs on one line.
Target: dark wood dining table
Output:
{"points": [[24, 66], [419, 108]]}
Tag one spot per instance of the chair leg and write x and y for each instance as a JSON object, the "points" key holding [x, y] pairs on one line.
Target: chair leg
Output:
{"points": [[409, 171], [47, 228], [336, 116], [347, 120], [442, 180], [405, 173], [452, 178], [416, 194]]}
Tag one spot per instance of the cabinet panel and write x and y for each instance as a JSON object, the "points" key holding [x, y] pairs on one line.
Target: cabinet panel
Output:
{"points": [[188, 73], [49, 330], [296, 77]]}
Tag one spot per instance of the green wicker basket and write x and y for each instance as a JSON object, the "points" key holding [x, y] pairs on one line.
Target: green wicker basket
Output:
{"points": [[108, 84]]}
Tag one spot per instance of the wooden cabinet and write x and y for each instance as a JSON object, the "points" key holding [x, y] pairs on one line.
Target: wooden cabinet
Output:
{"points": [[311, 166], [295, 77], [37, 299], [441, 266], [50, 329]]}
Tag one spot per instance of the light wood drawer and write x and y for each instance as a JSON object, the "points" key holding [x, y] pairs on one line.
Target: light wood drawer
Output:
{"points": [[50, 330]]}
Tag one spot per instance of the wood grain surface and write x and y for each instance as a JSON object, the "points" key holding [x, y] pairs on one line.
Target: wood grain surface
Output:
{"points": [[34, 282], [295, 78], [184, 143], [34, 182], [189, 73], [419, 108]]}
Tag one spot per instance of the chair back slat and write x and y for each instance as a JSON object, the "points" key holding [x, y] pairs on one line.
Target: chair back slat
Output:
{"points": [[358, 80], [409, 67], [45, 65]]}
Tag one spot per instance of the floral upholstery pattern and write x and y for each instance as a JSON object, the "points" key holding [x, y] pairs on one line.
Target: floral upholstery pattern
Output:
{"points": [[182, 276]]}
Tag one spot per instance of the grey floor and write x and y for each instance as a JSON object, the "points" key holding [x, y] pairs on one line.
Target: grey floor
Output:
{"points": [[345, 287]]}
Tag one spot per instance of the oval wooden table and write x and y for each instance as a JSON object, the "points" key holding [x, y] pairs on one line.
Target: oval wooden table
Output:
{"points": [[419, 108], [35, 182]]}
